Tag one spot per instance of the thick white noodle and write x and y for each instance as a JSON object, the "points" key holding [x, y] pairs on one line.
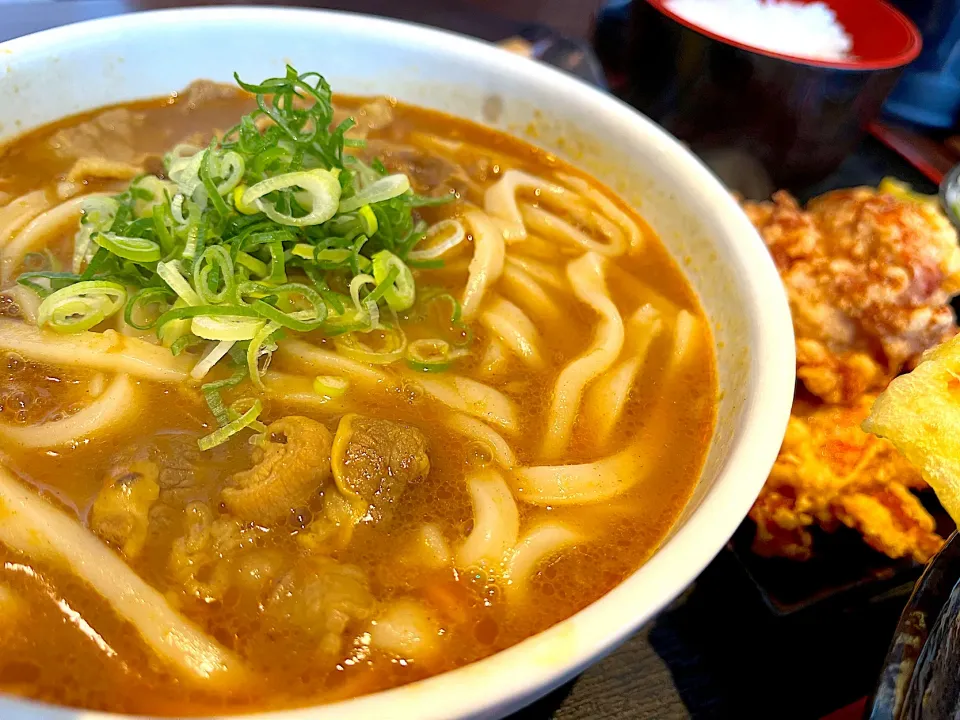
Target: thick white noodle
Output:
{"points": [[471, 397], [549, 225], [500, 200], [587, 278], [517, 222], [496, 521], [523, 289], [38, 232], [27, 300], [32, 526], [108, 351], [615, 474], [607, 398], [406, 629], [546, 274], [321, 361], [430, 548], [512, 326], [495, 361], [470, 427], [607, 207], [537, 544], [99, 419], [487, 262], [297, 391], [19, 212]]}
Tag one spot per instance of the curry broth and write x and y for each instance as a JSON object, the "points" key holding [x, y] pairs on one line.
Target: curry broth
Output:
{"points": [[69, 648]]}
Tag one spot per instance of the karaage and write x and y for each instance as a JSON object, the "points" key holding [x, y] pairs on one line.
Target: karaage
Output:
{"points": [[829, 472], [869, 277]]}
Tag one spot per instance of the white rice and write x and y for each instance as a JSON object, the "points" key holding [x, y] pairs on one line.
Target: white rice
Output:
{"points": [[781, 26]]}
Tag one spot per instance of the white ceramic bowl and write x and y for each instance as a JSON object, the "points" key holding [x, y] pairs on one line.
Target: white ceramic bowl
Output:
{"points": [[64, 71]]}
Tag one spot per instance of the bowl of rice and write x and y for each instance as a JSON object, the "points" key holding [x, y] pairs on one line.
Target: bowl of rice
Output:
{"points": [[785, 85]]}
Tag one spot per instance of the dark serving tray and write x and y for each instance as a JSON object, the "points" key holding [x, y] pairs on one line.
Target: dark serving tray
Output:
{"points": [[844, 571]]}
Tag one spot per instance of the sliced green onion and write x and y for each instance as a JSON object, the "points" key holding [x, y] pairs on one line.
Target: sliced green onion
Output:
{"points": [[394, 344], [157, 189], [142, 299], [301, 320], [172, 331], [465, 334], [277, 272], [129, 248], [179, 151], [432, 355], [205, 363], [185, 172], [383, 189], [452, 233], [235, 167], [256, 348], [400, 293], [170, 274], [81, 306], [226, 327], [215, 403], [184, 342], [322, 194], [331, 386], [307, 252], [383, 286], [208, 168], [211, 393], [368, 220], [208, 252], [97, 215], [363, 308], [328, 258], [221, 435], [215, 268], [214, 311], [251, 263]]}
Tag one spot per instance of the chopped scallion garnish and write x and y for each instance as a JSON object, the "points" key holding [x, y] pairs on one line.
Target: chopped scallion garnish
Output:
{"points": [[268, 230]]}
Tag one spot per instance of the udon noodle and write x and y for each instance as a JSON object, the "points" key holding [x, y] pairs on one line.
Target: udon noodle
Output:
{"points": [[342, 396]]}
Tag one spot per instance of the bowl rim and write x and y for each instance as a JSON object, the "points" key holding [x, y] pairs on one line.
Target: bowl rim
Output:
{"points": [[904, 56], [510, 679]]}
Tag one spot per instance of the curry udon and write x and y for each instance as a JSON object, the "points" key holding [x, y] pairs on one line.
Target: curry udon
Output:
{"points": [[303, 398]]}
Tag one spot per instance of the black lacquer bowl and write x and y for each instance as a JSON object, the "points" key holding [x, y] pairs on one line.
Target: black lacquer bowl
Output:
{"points": [[797, 118], [921, 673]]}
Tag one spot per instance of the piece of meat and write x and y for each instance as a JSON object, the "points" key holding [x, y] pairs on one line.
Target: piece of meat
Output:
{"points": [[202, 92], [120, 513], [829, 472], [197, 558], [374, 460], [319, 598], [109, 135], [868, 276], [290, 465]]}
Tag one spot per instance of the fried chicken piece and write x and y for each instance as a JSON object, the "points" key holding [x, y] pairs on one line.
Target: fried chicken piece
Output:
{"points": [[892, 520], [829, 472], [868, 276]]}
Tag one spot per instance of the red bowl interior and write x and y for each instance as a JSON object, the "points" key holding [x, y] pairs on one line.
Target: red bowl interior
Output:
{"points": [[882, 36]]}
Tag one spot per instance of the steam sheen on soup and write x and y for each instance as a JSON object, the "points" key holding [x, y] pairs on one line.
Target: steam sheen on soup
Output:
{"points": [[296, 409]]}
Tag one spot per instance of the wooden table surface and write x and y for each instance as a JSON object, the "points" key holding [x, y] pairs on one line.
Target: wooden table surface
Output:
{"points": [[717, 652]]}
